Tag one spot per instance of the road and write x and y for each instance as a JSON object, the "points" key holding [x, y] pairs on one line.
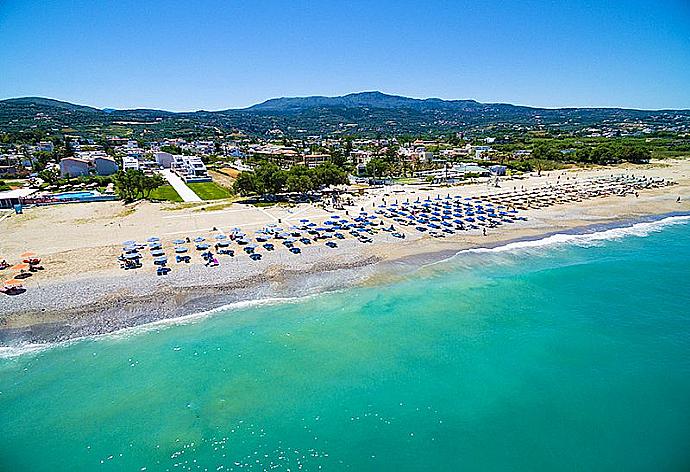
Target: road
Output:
{"points": [[180, 187]]}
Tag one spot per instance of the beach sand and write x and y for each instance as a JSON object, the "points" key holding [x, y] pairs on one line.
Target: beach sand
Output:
{"points": [[82, 290]]}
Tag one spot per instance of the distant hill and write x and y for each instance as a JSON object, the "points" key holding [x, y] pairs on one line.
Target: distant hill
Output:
{"points": [[357, 100], [365, 113]]}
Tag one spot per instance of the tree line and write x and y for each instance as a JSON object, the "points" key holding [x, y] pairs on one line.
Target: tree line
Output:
{"points": [[134, 184], [269, 179], [604, 153]]}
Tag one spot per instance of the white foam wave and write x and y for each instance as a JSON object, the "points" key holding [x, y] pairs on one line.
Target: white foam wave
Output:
{"points": [[33, 348], [596, 238]]}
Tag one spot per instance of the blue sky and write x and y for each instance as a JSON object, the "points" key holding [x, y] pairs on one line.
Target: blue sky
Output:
{"points": [[223, 54]]}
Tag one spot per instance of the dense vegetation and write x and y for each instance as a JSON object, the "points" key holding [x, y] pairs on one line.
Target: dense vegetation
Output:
{"points": [[269, 179], [366, 114], [134, 184]]}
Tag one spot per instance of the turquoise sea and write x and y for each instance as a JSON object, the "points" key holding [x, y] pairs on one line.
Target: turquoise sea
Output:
{"points": [[569, 353]]}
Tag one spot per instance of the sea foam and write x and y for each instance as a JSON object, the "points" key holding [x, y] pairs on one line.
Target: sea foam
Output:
{"points": [[594, 238]]}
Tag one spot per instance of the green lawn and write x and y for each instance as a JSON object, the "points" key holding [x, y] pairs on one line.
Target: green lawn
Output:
{"points": [[165, 192], [209, 190]]}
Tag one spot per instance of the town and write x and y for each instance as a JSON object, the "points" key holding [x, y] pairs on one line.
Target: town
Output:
{"points": [[73, 167]]}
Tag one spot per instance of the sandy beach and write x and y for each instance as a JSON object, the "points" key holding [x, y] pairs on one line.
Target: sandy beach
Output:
{"points": [[83, 291]]}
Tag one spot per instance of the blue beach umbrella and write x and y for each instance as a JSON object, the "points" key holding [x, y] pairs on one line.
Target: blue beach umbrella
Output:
{"points": [[180, 249]]}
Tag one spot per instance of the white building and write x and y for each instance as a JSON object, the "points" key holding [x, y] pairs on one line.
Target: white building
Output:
{"points": [[190, 168], [130, 163]]}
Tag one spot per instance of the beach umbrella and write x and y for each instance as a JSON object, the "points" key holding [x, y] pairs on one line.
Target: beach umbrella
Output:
{"points": [[335, 216], [157, 253], [20, 266], [12, 283], [153, 239], [223, 243], [132, 256], [220, 236], [160, 259], [180, 249], [126, 243], [202, 246], [199, 239], [28, 254], [179, 241]]}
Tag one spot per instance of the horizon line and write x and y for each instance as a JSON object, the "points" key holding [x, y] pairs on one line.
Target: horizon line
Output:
{"points": [[241, 108]]}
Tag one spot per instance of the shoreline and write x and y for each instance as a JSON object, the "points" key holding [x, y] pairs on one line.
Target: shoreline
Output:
{"points": [[83, 292], [122, 312]]}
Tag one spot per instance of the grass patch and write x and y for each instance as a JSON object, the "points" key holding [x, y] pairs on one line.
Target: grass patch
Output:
{"points": [[126, 212], [216, 206], [209, 190], [165, 193], [263, 204]]}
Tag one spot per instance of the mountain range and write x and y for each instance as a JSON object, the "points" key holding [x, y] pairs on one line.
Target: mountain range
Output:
{"points": [[363, 113]]}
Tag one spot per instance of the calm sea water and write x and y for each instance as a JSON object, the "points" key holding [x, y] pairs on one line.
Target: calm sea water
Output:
{"points": [[566, 354]]}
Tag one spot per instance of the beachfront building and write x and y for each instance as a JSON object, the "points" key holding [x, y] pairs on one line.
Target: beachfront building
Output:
{"points": [[73, 167], [10, 198], [190, 168], [105, 165], [455, 172]]}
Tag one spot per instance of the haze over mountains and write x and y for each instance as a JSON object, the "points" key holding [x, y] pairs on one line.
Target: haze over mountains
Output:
{"points": [[363, 113]]}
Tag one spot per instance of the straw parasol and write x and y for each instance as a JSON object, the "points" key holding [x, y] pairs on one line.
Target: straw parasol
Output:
{"points": [[13, 283], [28, 254], [21, 266]]}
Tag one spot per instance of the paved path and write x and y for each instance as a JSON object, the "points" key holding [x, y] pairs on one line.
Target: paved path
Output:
{"points": [[180, 187]]}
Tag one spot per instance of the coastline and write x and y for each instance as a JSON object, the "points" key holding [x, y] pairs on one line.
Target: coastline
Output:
{"points": [[170, 303], [83, 293]]}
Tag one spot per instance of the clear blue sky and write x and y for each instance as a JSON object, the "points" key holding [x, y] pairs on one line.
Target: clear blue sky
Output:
{"points": [[223, 54]]}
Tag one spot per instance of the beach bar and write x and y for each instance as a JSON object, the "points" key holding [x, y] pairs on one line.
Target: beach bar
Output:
{"points": [[10, 198]]}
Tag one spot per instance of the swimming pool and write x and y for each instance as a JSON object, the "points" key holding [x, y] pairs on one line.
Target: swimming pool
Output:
{"points": [[85, 195]]}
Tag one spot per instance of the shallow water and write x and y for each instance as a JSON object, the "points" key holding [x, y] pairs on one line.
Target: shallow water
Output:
{"points": [[570, 353]]}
